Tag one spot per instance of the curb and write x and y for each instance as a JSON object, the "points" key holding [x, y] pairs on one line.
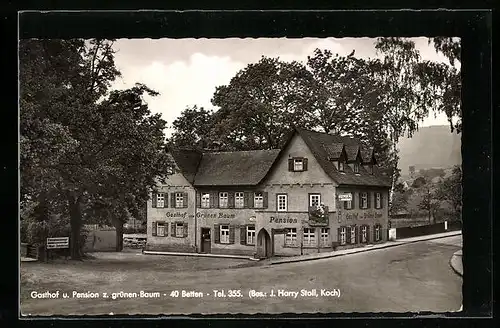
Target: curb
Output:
{"points": [[366, 249], [201, 255], [457, 256]]}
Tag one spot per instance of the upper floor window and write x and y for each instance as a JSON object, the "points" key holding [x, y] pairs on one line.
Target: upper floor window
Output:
{"points": [[223, 199], [341, 166], [179, 199], [363, 199], [297, 164], [378, 200], [258, 200], [314, 200], [356, 167], [282, 201], [348, 203], [160, 200], [238, 200], [205, 200]]}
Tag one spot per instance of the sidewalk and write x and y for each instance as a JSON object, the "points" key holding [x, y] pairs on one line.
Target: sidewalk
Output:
{"points": [[367, 248], [456, 263], [201, 255]]}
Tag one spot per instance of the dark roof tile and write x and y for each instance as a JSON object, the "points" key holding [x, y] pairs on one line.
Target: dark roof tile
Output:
{"points": [[234, 168], [187, 160]]}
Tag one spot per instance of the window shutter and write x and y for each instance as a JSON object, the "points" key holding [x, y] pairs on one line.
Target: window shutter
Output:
{"points": [[338, 235], [217, 233], [185, 229], [368, 199], [305, 164], [290, 164], [230, 199], [173, 228], [198, 199], [345, 205], [353, 201], [153, 228], [360, 201], [381, 201], [185, 200], [249, 198], [368, 234], [374, 233], [216, 199], [172, 200], [231, 234], [243, 235], [153, 199], [356, 240], [264, 199], [212, 199]]}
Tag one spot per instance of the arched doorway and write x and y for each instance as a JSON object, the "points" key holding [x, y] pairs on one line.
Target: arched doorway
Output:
{"points": [[264, 246]]}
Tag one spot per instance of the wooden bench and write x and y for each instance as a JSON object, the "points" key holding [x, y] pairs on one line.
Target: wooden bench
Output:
{"points": [[56, 243]]}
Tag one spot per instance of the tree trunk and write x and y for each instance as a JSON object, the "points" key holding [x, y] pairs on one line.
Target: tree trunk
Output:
{"points": [[118, 224], [76, 224]]}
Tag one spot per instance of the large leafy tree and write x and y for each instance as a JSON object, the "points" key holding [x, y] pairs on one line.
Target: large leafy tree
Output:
{"points": [[83, 148], [192, 128], [261, 104], [450, 191]]}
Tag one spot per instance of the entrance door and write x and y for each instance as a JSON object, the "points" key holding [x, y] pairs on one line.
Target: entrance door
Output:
{"points": [[264, 247], [206, 240]]}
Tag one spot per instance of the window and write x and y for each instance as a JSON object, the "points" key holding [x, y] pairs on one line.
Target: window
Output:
{"points": [[160, 229], [309, 237], [179, 229], [364, 200], [250, 235], [364, 234], [377, 233], [298, 164], [205, 200], [356, 167], [348, 203], [314, 200], [258, 200], [342, 236], [224, 234], [223, 199], [281, 203], [179, 199], [353, 235], [291, 237], [325, 236], [160, 200], [341, 166], [238, 200], [378, 200]]}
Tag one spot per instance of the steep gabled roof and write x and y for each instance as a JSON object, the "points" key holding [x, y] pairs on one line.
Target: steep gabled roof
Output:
{"points": [[315, 142], [334, 151], [187, 160], [239, 168], [352, 152]]}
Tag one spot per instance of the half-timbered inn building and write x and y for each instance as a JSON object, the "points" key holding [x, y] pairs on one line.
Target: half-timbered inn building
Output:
{"points": [[318, 193]]}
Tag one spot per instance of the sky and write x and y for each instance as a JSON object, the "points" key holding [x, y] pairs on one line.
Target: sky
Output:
{"points": [[186, 71]]}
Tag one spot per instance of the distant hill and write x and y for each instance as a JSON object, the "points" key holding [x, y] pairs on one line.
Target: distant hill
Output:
{"points": [[430, 147]]}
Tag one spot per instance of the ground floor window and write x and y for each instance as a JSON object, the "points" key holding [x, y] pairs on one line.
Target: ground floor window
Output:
{"points": [[291, 237], [377, 233], [224, 234], [352, 239], [179, 230], [161, 229], [309, 238], [325, 236], [364, 234], [342, 235], [250, 235]]}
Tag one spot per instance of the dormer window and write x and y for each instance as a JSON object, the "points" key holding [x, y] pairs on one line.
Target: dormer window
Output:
{"points": [[370, 168], [297, 164], [356, 167], [341, 166]]}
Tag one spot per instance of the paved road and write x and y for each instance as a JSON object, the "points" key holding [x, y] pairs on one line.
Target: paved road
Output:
{"points": [[409, 278]]}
